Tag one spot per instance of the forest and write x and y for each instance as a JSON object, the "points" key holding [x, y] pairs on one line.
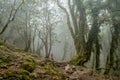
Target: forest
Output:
{"points": [[59, 39]]}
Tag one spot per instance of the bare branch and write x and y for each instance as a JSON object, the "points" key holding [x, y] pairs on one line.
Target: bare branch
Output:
{"points": [[11, 16], [68, 18]]}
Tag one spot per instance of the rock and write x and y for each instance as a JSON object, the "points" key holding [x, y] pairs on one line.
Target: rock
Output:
{"points": [[69, 69], [76, 76]]}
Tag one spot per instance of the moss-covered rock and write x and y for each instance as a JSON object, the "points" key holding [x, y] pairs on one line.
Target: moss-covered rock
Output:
{"points": [[29, 59], [6, 57], [28, 63], [29, 66]]}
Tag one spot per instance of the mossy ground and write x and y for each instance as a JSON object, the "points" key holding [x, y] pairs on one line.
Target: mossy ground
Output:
{"points": [[27, 66]]}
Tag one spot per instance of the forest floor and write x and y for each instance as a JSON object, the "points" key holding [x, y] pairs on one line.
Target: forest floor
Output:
{"points": [[25, 66]]}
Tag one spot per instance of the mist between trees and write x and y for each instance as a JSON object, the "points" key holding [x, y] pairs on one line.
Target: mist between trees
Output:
{"points": [[85, 32]]}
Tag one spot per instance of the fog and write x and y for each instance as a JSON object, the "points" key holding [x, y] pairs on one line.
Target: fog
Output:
{"points": [[86, 32]]}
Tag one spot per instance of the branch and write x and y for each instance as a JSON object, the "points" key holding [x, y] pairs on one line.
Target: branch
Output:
{"points": [[11, 17], [68, 18], [72, 8], [42, 39]]}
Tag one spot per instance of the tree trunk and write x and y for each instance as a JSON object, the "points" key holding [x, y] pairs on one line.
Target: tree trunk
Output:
{"points": [[11, 16], [114, 46], [46, 45]]}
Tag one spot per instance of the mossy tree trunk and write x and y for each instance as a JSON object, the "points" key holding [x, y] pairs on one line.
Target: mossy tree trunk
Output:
{"points": [[113, 8], [93, 40], [79, 30], [114, 45], [77, 25]]}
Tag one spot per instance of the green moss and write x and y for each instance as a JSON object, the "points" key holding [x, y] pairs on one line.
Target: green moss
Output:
{"points": [[78, 60], [18, 49], [15, 75], [3, 65], [26, 67], [1, 42], [75, 60], [4, 49], [35, 55], [6, 58], [29, 66], [53, 71], [29, 59], [28, 63]]}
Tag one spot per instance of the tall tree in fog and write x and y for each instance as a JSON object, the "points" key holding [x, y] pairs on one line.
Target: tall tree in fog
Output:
{"points": [[78, 16], [86, 39], [25, 26], [83, 40], [114, 10], [25, 31], [47, 24], [93, 44]]}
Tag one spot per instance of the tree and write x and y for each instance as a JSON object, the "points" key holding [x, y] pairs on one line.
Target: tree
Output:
{"points": [[78, 16], [79, 29], [47, 25], [24, 32], [65, 49], [11, 16], [113, 9], [26, 26]]}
